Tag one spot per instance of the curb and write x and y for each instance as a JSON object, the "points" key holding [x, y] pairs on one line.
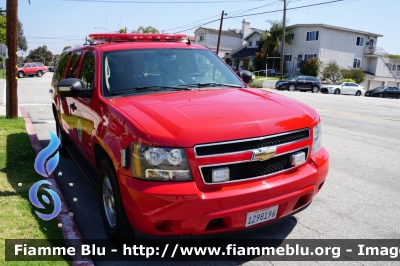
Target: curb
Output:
{"points": [[69, 229]]}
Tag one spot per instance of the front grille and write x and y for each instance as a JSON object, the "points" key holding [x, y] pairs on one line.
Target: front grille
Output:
{"points": [[251, 144], [255, 169]]}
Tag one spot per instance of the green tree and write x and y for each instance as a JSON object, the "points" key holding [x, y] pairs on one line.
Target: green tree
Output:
{"points": [[67, 47], [331, 72], [2, 30], [148, 29], [121, 31], [269, 44], [356, 74], [310, 67], [40, 54], [22, 42], [3, 12]]}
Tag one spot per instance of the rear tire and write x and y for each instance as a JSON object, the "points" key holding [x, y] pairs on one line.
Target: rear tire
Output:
{"points": [[113, 214], [292, 87], [315, 89]]}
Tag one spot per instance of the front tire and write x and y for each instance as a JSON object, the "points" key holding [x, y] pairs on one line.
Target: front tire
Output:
{"points": [[380, 95], [113, 214], [292, 87], [358, 93], [337, 91], [39, 73], [63, 140], [21, 74]]}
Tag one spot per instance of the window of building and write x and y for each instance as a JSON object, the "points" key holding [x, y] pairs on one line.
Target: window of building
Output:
{"points": [[357, 63], [257, 42], [360, 41], [250, 43], [201, 37], [312, 35], [288, 57], [394, 67], [398, 67], [291, 36], [308, 56]]}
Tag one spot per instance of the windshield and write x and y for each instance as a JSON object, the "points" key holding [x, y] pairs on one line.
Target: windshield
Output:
{"points": [[160, 69], [20, 65], [378, 89]]}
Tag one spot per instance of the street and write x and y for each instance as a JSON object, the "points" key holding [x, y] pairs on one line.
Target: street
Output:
{"points": [[360, 198]]}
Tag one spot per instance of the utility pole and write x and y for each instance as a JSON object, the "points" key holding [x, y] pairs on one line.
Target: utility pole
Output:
{"points": [[283, 40], [11, 73], [220, 28]]}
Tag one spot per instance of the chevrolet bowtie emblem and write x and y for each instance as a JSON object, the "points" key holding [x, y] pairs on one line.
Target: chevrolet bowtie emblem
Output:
{"points": [[263, 154]]}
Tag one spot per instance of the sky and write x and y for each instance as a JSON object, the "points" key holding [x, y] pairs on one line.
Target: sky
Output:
{"points": [[58, 23]]}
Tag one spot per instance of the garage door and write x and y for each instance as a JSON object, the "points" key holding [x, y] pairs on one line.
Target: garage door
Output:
{"points": [[375, 84], [392, 84]]}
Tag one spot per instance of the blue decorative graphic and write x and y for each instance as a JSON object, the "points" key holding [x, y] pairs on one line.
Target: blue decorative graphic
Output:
{"points": [[40, 162], [44, 165], [35, 201]]}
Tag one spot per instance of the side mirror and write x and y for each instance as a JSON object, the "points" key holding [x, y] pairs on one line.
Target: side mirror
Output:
{"points": [[73, 87], [246, 76]]}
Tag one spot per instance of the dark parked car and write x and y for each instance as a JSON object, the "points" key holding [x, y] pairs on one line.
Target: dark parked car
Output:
{"points": [[50, 68], [384, 92], [302, 83]]}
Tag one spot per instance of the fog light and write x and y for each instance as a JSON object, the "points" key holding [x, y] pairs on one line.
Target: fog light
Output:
{"points": [[298, 158], [160, 223]]}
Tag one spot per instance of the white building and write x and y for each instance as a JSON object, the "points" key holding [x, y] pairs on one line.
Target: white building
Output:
{"points": [[349, 48]]}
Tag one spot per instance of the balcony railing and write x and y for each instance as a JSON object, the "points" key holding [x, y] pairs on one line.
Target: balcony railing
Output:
{"points": [[373, 50]]}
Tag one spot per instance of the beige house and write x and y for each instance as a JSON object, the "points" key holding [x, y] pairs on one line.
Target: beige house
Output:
{"points": [[231, 39], [348, 47]]}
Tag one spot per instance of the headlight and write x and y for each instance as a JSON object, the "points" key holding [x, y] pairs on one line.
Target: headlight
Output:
{"points": [[317, 139], [155, 163]]}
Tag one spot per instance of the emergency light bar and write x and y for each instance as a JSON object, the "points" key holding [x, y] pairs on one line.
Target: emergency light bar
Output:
{"points": [[126, 37]]}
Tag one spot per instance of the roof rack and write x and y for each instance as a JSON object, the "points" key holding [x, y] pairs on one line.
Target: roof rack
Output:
{"points": [[136, 37]]}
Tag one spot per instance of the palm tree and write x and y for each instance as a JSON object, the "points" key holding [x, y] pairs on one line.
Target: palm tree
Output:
{"points": [[148, 29], [271, 39]]}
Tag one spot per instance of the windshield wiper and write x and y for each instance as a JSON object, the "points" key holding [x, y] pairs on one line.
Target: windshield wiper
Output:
{"points": [[150, 87], [212, 84]]}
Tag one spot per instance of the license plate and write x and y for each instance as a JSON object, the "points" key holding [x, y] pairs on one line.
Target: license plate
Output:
{"points": [[261, 216], [220, 174]]}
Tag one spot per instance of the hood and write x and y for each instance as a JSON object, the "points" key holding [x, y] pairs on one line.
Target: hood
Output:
{"points": [[187, 118]]}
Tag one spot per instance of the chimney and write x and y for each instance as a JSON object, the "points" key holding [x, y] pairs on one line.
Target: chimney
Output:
{"points": [[245, 29]]}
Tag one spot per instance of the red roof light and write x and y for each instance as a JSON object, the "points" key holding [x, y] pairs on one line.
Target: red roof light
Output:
{"points": [[125, 37]]}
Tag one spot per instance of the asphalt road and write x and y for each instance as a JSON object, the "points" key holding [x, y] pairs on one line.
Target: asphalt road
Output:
{"points": [[360, 198]]}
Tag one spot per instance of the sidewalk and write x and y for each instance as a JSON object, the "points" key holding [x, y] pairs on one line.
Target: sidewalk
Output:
{"points": [[3, 98]]}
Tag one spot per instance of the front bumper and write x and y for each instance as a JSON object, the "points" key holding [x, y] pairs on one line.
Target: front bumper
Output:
{"points": [[182, 209], [327, 90]]}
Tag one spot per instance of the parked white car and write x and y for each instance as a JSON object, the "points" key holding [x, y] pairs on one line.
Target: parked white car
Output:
{"points": [[343, 88]]}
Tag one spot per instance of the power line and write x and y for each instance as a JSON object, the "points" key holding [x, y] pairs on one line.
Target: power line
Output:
{"points": [[261, 13], [169, 2]]}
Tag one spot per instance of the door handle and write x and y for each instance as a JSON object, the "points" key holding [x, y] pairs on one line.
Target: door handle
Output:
{"points": [[72, 106]]}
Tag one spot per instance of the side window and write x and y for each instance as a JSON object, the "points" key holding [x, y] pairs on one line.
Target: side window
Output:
{"points": [[34, 65], [28, 65], [62, 63], [87, 71], [73, 68]]}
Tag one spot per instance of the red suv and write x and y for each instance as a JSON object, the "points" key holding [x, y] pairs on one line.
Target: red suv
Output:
{"points": [[31, 69], [178, 143]]}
